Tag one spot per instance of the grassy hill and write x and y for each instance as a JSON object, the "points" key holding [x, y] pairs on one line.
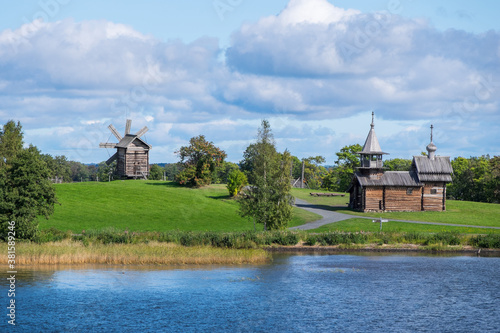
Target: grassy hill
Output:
{"points": [[162, 206], [149, 206]]}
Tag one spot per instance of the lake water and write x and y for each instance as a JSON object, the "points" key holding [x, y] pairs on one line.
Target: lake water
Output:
{"points": [[295, 293]]}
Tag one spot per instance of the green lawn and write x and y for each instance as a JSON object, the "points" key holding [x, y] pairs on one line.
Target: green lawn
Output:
{"points": [[150, 206], [457, 212], [304, 194]]}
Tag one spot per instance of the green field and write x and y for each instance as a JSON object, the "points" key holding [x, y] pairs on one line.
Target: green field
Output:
{"points": [[457, 212], [149, 206], [163, 206]]}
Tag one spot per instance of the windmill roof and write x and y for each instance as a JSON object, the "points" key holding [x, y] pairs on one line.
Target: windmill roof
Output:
{"points": [[128, 139]]}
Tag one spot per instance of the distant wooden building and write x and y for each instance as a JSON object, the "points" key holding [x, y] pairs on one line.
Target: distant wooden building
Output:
{"points": [[132, 153], [423, 188]]}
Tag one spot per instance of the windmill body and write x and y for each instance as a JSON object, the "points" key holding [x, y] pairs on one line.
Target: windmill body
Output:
{"points": [[132, 153]]}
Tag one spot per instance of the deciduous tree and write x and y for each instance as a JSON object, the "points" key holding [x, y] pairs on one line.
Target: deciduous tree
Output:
{"points": [[397, 164], [156, 172], [200, 160], [339, 178], [268, 201], [25, 189]]}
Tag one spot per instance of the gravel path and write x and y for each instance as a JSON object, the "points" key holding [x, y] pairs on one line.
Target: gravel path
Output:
{"points": [[330, 216]]}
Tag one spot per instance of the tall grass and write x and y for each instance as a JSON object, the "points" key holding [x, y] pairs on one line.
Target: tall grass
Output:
{"points": [[75, 252]]}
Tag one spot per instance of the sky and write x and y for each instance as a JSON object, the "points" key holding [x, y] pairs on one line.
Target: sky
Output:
{"points": [[315, 69]]}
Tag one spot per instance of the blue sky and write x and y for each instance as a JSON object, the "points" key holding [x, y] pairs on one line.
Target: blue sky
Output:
{"points": [[315, 68]]}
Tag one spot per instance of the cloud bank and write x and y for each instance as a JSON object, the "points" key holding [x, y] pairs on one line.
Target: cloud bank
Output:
{"points": [[315, 70]]}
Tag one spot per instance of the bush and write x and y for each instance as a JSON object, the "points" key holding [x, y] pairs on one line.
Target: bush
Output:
{"points": [[445, 238], [52, 235], [285, 237], [235, 182], [486, 241], [311, 240]]}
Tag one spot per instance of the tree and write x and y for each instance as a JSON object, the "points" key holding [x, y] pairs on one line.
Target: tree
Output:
{"points": [[246, 165], [26, 193], [79, 171], [172, 170], [59, 167], [495, 178], [339, 178], [200, 160], [105, 172], [223, 171], [11, 142], [473, 179], [313, 171], [156, 172], [398, 164], [268, 201], [235, 182]]}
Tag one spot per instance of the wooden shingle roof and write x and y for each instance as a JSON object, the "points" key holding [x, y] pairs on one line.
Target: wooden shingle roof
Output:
{"points": [[438, 169], [128, 139], [390, 178], [371, 146]]}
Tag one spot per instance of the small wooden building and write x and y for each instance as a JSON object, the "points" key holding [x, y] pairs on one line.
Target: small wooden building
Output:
{"points": [[422, 188], [132, 155]]}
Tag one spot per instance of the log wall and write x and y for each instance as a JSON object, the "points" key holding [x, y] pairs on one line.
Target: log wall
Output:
{"points": [[120, 162], [398, 200], [373, 199], [131, 162], [136, 162], [434, 201]]}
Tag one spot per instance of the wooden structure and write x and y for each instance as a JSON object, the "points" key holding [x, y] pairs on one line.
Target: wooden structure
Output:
{"points": [[327, 194], [132, 155], [422, 188]]}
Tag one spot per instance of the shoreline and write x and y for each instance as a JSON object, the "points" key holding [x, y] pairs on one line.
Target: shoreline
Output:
{"points": [[372, 248]]}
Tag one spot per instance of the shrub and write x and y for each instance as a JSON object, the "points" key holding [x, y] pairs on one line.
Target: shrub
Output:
{"points": [[486, 241], [285, 237], [311, 240], [235, 182], [52, 235], [445, 238]]}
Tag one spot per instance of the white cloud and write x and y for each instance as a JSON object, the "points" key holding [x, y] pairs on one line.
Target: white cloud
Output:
{"points": [[315, 70]]}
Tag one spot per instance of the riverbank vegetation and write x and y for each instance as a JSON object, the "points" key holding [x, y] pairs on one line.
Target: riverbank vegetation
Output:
{"points": [[366, 225], [69, 251], [113, 246]]}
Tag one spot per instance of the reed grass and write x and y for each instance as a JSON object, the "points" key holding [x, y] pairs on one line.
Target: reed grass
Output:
{"points": [[255, 240], [153, 253]]}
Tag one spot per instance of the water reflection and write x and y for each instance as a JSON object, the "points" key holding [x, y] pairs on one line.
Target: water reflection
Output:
{"points": [[348, 293]]}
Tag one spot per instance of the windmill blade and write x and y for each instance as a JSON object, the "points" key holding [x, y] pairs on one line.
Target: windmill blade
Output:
{"points": [[107, 145], [112, 158], [127, 126], [142, 131], [115, 132]]}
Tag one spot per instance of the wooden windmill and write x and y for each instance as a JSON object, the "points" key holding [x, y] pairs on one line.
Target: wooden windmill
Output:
{"points": [[132, 155]]}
